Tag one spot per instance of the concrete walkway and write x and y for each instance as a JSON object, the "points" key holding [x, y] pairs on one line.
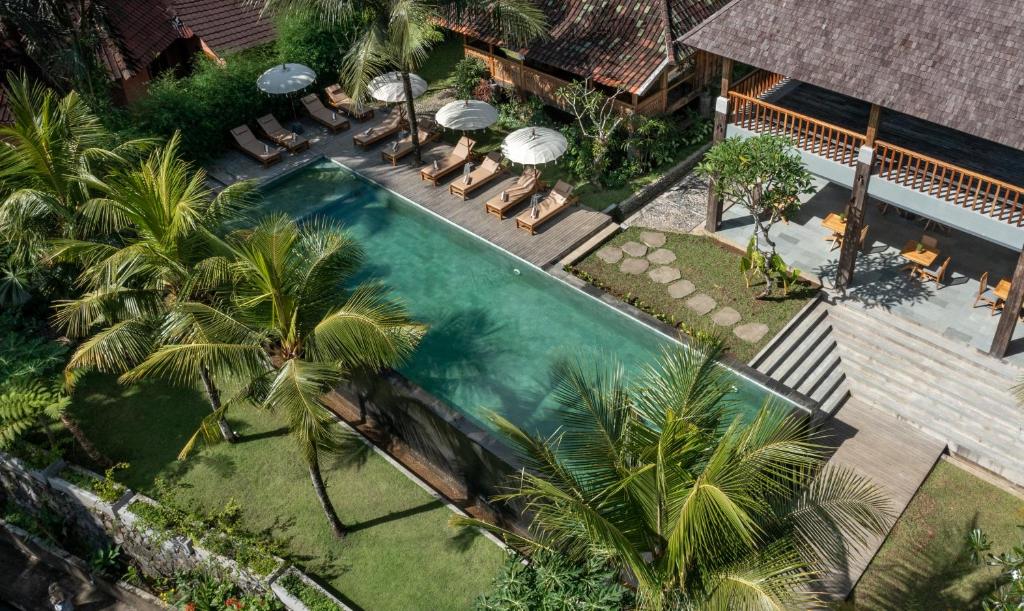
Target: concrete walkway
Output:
{"points": [[555, 239]]}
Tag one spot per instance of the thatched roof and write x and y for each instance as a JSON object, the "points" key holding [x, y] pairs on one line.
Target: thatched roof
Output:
{"points": [[957, 63]]}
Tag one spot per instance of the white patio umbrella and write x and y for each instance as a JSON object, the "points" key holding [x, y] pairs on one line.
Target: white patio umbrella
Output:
{"points": [[388, 87], [534, 145], [286, 79], [467, 115]]}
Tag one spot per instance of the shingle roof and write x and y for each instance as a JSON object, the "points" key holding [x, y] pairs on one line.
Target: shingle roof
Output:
{"points": [[142, 29], [952, 62], [615, 42], [225, 25]]}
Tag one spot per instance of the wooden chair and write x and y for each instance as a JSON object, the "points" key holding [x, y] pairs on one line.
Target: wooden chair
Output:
{"points": [[427, 131], [479, 177], [938, 274], [930, 242], [454, 160], [288, 139], [260, 151], [340, 100], [837, 239], [391, 125], [319, 113], [986, 296], [520, 191], [559, 198]]}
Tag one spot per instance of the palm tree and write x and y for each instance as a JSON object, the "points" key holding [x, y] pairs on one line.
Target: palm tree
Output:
{"points": [[696, 507], [399, 34], [157, 227], [55, 148], [290, 330]]}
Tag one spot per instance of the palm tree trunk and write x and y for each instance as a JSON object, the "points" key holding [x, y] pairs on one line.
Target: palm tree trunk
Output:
{"points": [[90, 450], [321, 493], [214, 395], [411, 111]]}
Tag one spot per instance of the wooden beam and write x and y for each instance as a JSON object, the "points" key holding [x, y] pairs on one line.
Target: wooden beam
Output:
{"points": [[874, 119], [713, 217], [1011, 310], [854, 220]]}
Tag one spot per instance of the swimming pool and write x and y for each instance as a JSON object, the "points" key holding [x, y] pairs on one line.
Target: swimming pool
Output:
{"points": [[497, 325]]}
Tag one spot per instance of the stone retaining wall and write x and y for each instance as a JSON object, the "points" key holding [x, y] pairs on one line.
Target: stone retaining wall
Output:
{"points": [[100, 524]]}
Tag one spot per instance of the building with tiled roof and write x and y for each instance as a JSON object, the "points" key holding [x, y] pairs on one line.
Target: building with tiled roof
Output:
{"points": [[631, 46], [147, 37]]}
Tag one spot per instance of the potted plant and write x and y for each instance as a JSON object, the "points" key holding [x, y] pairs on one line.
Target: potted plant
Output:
{"points": [[920, 247]]}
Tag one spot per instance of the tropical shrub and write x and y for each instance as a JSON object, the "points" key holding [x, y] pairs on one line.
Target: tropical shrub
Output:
{"points": [[552, 582], [520, 112], [467, 74], [303, 37], [208, 589], [211, 101], [1009, 594], [313, 598]]}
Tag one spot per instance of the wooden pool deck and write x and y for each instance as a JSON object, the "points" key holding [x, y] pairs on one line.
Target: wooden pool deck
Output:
{"points": [[554, 240]]}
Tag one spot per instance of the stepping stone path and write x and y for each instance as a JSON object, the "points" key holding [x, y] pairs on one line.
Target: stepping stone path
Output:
{"points": [[664, 275], [680, 289], [752, 332], [634, 249], [701, 304], [634, 267], [662, 256], [654, 239], [610, 254], [725, 317]]}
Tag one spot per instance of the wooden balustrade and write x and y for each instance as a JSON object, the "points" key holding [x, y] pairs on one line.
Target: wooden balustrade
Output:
{"points": [[949, 182], [756, 83], [807, 133]]}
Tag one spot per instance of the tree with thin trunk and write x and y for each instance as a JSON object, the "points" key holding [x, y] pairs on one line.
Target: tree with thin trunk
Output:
{"points": [[155, 245], [698, 505], [765, 176], [398, 35], [290, 329], [597, 117]]}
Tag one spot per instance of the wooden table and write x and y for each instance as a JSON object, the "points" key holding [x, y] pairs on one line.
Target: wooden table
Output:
{"points": [[925, 258], [834, 223]]}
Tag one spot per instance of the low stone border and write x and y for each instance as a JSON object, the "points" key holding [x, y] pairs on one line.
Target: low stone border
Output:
{"points": [[291, 601], [644, 196], [94, 518]]}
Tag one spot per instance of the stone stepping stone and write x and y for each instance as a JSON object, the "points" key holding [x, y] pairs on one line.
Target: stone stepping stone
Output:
{"points": [[752, 332], [634, 267], [610, 254], [725, 317], [701, 303], [654, 239], [680, 289], [662, 256], [664, 275], [634, 249]]}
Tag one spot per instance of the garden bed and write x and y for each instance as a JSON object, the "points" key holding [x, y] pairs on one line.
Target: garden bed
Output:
{"points": [[925, 562], [712, 270]]}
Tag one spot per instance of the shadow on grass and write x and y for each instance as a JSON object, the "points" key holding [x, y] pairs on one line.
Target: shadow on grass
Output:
{"points": [[278, 432], [395, 515]]}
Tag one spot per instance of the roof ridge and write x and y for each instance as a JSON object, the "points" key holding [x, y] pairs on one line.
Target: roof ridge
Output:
{"points": [[714, 16]]}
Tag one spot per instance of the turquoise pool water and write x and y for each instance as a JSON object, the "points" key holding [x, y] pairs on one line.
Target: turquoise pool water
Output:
{"points": [[497, 324]]}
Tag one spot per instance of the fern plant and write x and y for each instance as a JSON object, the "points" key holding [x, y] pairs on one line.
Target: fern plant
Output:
{"points": [[25, 406]]}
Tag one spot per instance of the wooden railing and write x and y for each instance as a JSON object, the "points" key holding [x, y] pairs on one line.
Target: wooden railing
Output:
{"points": [[807, 133], [756, 83], [952, 183]]}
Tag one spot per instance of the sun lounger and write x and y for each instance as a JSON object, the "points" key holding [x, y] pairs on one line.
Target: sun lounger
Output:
{"points": [[337, 98], [485, 173], [458, 157], [428, 132], [328, 118], [391, 125], [559, 198], [288, 139], [260, 151], [523, 188]]}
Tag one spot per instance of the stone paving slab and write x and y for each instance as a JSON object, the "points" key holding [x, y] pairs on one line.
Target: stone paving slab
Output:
{"points": [[664, 275], [680, 289], [725, 317], [654, 239], [751, 332], [662, 256], [634, 249], [634, 267], [610, 254], [702, 304]]}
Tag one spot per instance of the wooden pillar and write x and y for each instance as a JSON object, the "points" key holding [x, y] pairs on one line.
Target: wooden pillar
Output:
{"points": [[855, 212], [714, 213], [1011, 310]]}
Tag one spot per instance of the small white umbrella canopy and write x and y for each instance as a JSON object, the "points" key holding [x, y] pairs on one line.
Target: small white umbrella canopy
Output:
{"points": [[534, 145], [388, 87], [286, 78], [467, 115]]}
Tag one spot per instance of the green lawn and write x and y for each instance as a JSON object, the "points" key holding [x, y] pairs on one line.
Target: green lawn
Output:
{"points": [[714, 270], [925, 563], [401, 554]]}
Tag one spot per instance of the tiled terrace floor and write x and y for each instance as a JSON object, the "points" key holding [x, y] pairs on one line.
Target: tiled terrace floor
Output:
{"points": [[879, 281], [556, 238]]}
